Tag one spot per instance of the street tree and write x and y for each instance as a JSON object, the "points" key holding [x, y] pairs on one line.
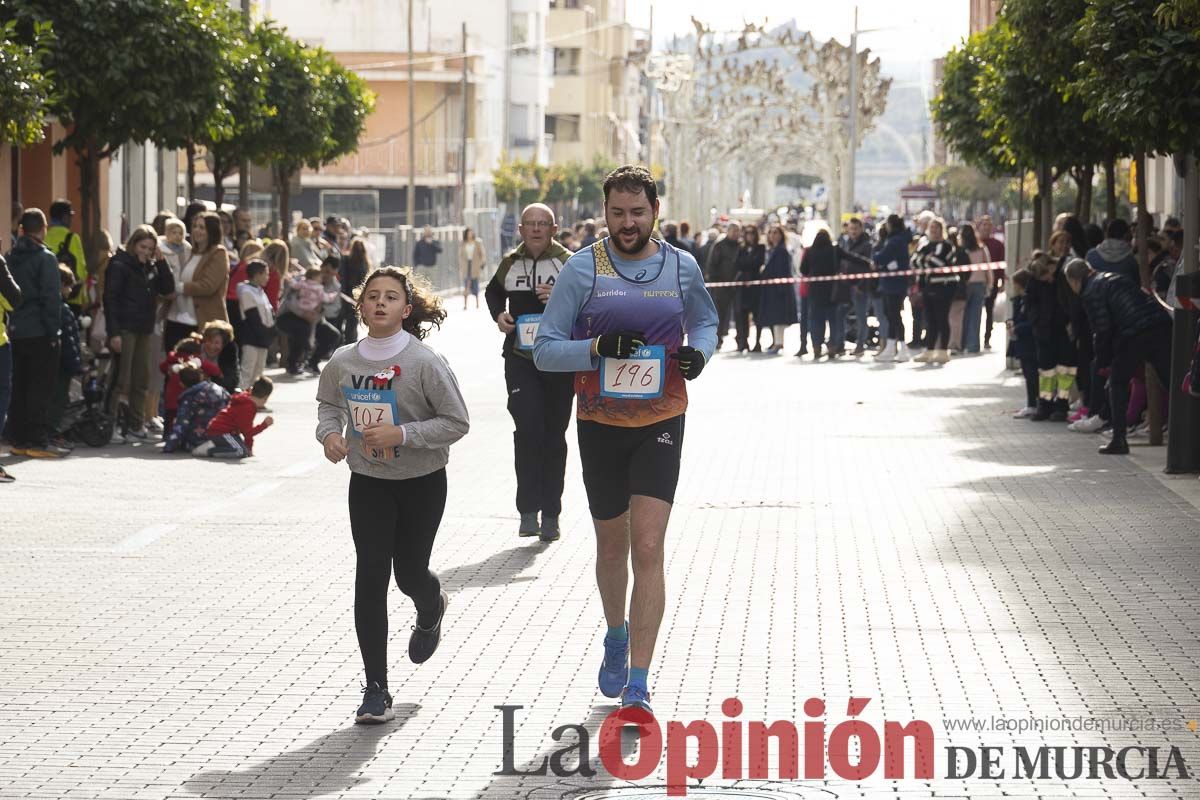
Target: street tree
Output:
{"points": [[312, 96], [145, 74], [24, 86]]}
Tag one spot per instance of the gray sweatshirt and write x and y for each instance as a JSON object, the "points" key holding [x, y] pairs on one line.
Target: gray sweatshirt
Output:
{"points": [[422, 396]]}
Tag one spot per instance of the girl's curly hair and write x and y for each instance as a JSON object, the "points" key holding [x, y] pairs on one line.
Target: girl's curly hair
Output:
{"points": [[427, 310]]}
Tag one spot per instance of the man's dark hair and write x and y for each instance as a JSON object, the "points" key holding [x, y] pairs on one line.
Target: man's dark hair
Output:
{"points": [[262, 387], [855, 221], [1172, 222], [331, 220], [60, 208], [894, 224], [685, 228], [33, 221], [254, 267], [1117, 229], [633, 179]]}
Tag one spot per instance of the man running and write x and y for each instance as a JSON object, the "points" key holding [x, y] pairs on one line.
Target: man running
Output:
{"points": [[539, 402], [617, 319]]}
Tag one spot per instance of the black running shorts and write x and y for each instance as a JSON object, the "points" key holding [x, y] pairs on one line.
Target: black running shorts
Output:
{"points": [[621, 462]]}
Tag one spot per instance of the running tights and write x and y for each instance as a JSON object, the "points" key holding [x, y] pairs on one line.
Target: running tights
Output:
{"points": [[394, 523]]}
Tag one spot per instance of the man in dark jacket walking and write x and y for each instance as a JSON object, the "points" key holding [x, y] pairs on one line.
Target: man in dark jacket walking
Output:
{"points": [[722, 266], [33, 329], [1130, 328], [427, 249]]}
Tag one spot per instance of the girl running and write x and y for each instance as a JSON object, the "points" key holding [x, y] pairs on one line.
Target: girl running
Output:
{"points": [[390, 405]]}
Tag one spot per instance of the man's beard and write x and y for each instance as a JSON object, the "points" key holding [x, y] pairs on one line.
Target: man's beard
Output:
{"points": [[638, 246]]}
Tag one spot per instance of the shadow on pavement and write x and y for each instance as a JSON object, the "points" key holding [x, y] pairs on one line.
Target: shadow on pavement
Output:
{"points": [[327, 765], [498, 569]]}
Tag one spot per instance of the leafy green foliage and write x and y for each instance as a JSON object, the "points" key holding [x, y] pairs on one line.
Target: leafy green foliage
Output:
{"points": [[24, 87], [1140, 72], [956, 109]]}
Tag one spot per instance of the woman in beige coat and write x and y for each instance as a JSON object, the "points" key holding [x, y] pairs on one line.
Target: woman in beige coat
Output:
{"points": [[207, 284], [470, 260]]}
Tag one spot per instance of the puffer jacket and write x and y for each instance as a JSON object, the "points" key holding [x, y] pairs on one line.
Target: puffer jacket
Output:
{"points": [[131, 291], [938, 254], [891, 257], [35, 271], [1115, 255], [1117, 310]]}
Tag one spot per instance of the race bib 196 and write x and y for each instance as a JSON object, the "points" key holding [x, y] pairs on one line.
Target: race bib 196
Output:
{"points": [[527, 328], [639, 377]]}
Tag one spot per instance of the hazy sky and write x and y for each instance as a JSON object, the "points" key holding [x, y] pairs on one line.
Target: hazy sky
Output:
{"points": [[909, 31]]}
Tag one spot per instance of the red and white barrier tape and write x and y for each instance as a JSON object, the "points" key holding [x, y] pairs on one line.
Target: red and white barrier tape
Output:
{"points": [[896, 273]]}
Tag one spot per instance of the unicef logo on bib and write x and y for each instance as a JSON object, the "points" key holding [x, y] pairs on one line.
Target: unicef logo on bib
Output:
{"points": [[639, 377]]}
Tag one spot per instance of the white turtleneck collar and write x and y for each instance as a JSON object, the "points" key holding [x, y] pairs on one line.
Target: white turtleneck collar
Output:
{"points": [[374, 349]]}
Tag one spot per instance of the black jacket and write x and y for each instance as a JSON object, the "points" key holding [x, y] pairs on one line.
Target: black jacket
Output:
{"points": [[938, 254], [131, 292], [8, 287], [1118, 309]]}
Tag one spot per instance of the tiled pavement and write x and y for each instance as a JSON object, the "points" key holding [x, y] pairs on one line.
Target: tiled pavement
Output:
{"points": [[176, 628]]}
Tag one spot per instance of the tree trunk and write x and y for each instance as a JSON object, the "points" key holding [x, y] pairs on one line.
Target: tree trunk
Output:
{"points": [[1110, 189], [1046, 210], [191, 172], [1077, 176], [1037, 220], [1143, 221], [1085, 188], [218, 172], [283, 178], [89, 195]]}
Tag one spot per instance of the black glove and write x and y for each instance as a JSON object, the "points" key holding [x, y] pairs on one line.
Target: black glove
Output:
{"points": [[620, 344], [691, 362]]}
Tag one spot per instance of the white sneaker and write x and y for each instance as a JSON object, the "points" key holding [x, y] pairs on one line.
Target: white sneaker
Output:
{"points": [[1028, 411], [118, 438], [888, 353], [140, 435], [902, 353], [1087, 424], [154, 425]]}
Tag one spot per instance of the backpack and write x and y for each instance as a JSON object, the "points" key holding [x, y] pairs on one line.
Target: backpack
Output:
{"points": [[64, 254]]}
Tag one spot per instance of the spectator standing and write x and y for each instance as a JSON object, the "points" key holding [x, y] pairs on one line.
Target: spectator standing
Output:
{"points": [[67, 248], [33, 329], [777, 302], [722, 266], [10, 297], [893, 256], [471, 259], [257, 331], [352, 274], [985, 230], [751, 258], [1115, 254], [301, 246], [427, 249], [978, 284], [136, 280]]}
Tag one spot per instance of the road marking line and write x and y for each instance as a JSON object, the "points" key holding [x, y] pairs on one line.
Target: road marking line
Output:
{"points": [[145, 536], [296, 470]]}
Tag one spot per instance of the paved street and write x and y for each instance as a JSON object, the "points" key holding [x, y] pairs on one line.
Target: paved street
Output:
{"points": [[171, 627]]}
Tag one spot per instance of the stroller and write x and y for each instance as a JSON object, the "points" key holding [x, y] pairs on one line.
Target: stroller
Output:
{"points": [[85, 418]]}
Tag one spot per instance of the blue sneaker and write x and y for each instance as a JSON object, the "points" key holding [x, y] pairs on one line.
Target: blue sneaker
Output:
{"points": [[376, 706], [635, 705], [614, 671]]}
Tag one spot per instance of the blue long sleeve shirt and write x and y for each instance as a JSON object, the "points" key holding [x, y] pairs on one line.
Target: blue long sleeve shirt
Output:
{"points": [[555, 351]]}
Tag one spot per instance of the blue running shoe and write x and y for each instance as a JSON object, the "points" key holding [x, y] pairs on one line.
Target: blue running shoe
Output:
{"points": [[635, 705], [614, 671], [376, 706]]}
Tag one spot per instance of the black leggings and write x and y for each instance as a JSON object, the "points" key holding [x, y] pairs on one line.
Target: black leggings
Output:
{"points": [[394, 524], [938, 298], [893, 304]]}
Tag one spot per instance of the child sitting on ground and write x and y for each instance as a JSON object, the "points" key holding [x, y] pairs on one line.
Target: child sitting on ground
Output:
{"points": [[187, 352], [199, 403], [231, 432]]}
